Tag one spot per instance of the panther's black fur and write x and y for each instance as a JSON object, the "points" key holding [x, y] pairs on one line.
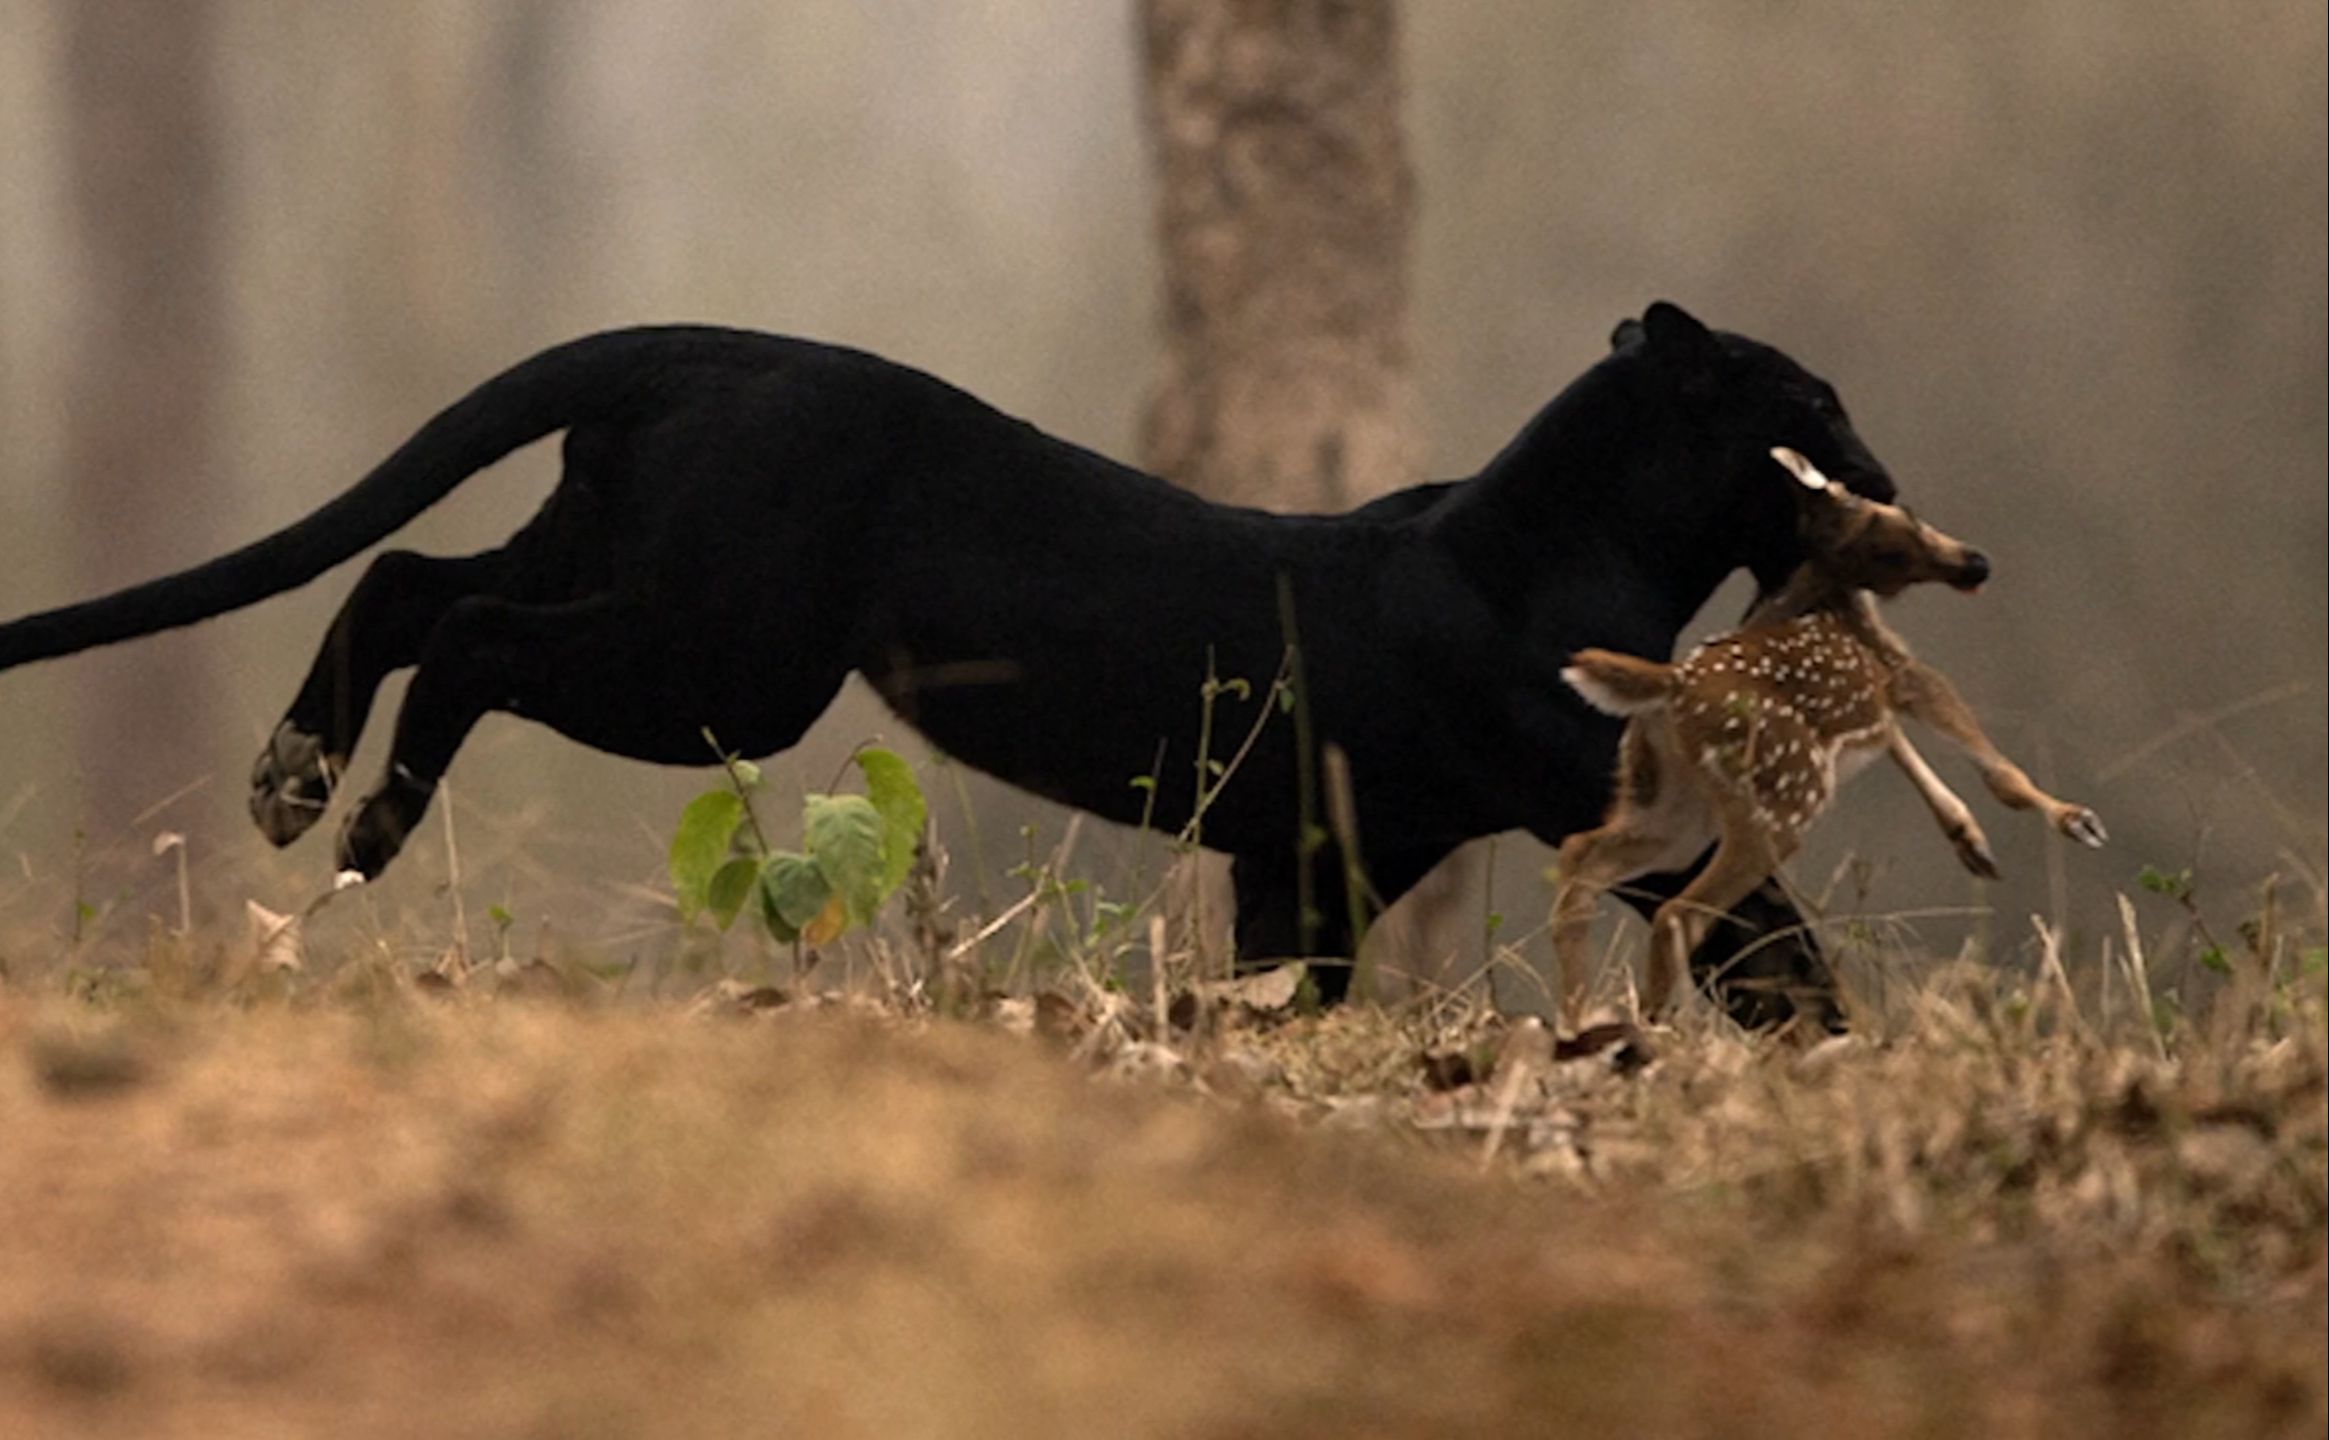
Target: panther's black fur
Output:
{"points": [[746, 519]]}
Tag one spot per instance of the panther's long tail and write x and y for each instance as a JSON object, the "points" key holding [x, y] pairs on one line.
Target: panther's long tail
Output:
{"points": [[596, 377], [1619, 684]]}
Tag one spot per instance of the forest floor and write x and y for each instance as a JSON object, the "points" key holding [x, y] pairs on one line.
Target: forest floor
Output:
{"points": [[368, 1197], [412, 1212]]}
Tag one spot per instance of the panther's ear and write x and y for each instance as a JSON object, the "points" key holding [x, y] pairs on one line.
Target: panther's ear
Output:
{"points": [[1628, 332], [1674, 329]]}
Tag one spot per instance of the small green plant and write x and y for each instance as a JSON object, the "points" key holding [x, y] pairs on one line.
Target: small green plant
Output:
{"points": [[856, 850], [2182, 887], [503, 923], [2176, 885]]}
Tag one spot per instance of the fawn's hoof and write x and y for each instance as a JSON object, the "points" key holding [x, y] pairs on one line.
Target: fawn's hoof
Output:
{"points": [[2084, 826], [1974, 854], [290, 784]]}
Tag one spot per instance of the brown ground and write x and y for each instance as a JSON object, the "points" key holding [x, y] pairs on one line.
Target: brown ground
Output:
{"points": [[465, 1217]]}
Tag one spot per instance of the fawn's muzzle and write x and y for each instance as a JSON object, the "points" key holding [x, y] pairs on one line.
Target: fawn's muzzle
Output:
{"points": [[1972, 571]]}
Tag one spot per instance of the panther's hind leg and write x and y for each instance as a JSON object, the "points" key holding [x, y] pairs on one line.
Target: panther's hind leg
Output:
{"points": [[380, 629], [606, 671]]}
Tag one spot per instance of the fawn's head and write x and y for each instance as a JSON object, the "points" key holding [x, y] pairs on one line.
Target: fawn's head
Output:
{"points": [[1869, 545]]}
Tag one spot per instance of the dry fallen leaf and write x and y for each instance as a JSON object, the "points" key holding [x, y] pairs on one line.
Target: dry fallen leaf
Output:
{"points": [[1271, 990], [275, 939], [1146, 1060], [828, 925]]}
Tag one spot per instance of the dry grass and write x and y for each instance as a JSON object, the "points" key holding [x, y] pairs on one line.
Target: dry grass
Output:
{"points": [[367, 1207], [554, 1196]]}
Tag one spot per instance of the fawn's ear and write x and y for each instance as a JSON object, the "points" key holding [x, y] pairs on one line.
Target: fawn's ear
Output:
{"points": [[1803, 470], [1628, 332], [1821, 504]]}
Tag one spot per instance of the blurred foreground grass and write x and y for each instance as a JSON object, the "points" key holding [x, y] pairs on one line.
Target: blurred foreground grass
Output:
{"points": [[377, 1207]]}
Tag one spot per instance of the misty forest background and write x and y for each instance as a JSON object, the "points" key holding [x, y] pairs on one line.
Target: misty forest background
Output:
{"points": [[2065, 261]]}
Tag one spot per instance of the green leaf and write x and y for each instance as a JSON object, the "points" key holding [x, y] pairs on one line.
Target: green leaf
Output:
{"points": [[844, 836], [2159, 882], [793, 890], [1144, 782], [785, 934], [1107, 914], [2215, 959], [700, 845], [501, 918], [730, 887], [890, 785]]}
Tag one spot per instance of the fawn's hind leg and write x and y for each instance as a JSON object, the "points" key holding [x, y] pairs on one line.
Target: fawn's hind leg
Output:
{"points": [[1926, 693], [1744, 859], [381, 628]]}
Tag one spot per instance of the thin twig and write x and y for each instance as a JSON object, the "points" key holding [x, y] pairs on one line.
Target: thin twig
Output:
{"points": [[138, 820], [1507, 1100], [2050, 962], [992, 927], [453, 873], [2191, 724], [2139, 975], [1206, 796]]}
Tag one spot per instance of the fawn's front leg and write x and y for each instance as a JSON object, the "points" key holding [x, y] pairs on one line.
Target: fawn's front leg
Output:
{"points": [[1956, 819], [1922, 691]]}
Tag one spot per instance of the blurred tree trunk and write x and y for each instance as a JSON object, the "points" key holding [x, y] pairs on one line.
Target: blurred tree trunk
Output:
{"points": [[1287, 211], [144, 161], [1286, 207]]}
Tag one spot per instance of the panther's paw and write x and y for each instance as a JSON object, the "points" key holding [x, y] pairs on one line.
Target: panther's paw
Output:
{"points": [[291, 784], [376, 829]]}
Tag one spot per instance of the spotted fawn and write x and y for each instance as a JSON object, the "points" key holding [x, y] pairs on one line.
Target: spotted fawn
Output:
{"points": [[1746, 740]]}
